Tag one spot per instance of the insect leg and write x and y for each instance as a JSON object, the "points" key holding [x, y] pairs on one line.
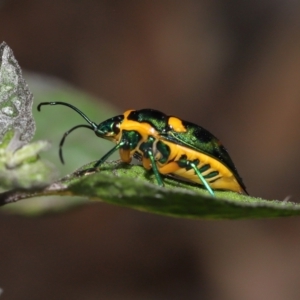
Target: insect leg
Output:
{"points": [[125, 155], [183, 162], [201, 178], [147, 149], [108, 154], [146, 163], [154, 167], [173, 166]]}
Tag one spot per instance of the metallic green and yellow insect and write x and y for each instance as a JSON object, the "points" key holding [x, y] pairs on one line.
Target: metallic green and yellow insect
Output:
{"points": [[167, 145]]}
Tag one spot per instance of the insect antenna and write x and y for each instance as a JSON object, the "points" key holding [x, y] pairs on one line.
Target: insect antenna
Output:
{"points": [[64, 137], [93, 125]]}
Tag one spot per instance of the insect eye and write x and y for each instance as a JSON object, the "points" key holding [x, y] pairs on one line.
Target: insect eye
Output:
{"points": [[116, 127]]}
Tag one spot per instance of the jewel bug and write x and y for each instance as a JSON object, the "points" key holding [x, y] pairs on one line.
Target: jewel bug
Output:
{"points": [[167, 145]]}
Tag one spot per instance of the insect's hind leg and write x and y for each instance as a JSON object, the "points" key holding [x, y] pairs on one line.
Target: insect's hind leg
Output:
{"points": [[185, 163], [207, 186]]}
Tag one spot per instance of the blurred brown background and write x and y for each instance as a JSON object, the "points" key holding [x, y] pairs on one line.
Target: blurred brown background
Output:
{"points": [[232, 67]]}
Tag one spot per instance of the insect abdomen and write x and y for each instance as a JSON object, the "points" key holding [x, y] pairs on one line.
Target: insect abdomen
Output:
{"points": [[217, 175]]}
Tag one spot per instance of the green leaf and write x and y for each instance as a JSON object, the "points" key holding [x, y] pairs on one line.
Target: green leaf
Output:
{"points": [[134, 187]]}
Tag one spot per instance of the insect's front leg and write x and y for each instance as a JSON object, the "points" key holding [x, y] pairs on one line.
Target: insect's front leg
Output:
{"points": [[108, 154], [128, 142], [101, 160]]}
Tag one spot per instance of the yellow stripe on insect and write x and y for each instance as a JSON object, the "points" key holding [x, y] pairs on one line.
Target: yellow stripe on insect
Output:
{"points": [[145, 129], [176, 124]]}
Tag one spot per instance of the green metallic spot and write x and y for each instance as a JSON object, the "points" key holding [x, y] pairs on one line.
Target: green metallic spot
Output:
{"points": [[164, 150], [212, 174], [144, 147], [131, 139], [182, 162], [155, 118], [204, 168]]}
